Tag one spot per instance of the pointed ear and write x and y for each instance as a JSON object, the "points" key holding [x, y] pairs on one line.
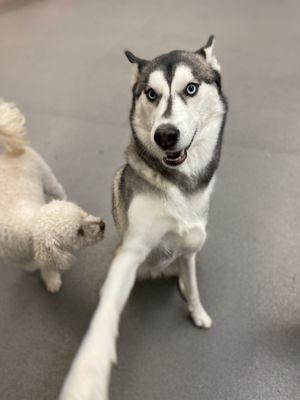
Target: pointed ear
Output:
{"points": [[138, 64], [135, 60], [208, 53]]}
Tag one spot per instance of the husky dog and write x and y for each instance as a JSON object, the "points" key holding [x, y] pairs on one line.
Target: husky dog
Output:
{"points": [[160, 198]]}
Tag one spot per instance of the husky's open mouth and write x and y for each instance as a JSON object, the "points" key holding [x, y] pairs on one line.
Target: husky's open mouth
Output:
{"points": [[175, 158]]}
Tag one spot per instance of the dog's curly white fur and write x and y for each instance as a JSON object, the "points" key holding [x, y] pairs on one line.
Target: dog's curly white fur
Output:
{"points": [[30, 228]]}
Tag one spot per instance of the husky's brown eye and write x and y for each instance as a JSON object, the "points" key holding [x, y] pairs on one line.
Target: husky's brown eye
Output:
{"points": [[191, 89], [151, 95], [80, 231]]}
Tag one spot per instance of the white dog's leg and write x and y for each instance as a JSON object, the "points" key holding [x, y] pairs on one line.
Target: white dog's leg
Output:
{"points": [[31, 267], [189, 288], [89, 376], [51, 185], [53, 188], [52, 279]]}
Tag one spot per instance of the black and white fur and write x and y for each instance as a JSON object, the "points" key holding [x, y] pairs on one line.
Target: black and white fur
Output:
{"points": [[160, 210]]}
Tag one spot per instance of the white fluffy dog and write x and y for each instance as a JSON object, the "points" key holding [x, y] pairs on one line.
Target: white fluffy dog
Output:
{"points": [[30, 228]]}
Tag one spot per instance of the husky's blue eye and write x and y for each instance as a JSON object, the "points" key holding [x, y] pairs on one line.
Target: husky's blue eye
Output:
{"points": [[191, 89], [151, 95]]}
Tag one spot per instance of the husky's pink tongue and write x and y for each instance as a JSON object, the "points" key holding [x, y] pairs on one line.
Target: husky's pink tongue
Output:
{"points": [[175, 158]]}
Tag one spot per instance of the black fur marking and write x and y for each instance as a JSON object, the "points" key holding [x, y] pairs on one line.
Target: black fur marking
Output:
{"points": [[201, 52], [183, 97], [168, 111], [157, 100], [169, 73], [210, 41]]}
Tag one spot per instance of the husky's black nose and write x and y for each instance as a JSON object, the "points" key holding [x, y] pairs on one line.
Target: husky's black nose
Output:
{"points": [[166, 136]]}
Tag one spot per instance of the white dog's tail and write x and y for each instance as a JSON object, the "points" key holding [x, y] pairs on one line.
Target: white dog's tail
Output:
{"points": [[12, 128]]}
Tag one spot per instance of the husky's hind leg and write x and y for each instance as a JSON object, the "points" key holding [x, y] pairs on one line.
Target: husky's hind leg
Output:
{"points": [[189, 288]]}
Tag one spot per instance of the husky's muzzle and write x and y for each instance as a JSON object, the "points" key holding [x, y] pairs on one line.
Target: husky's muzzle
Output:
{"points": [[166, 137]]}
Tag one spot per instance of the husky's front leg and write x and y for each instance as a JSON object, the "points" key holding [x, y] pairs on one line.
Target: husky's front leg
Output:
{"points": [[89, 376], [189, 288]]}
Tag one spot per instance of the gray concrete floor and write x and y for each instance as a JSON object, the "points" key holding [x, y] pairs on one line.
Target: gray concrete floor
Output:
{"points": [[62, 62]]}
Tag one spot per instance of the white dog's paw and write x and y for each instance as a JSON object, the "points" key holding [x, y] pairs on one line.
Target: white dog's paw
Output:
{"points": [[53, 285], [200, 318]]}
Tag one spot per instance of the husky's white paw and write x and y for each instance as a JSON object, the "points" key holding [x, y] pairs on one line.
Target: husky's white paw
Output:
{"points": [[88, 378], [200, 318], [53, 285], [85, 384]]}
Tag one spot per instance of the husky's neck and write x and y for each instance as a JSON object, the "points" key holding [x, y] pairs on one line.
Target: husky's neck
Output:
{"points": [[195, 173]]}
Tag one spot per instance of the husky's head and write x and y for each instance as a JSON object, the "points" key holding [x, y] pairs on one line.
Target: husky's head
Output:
{"points": [[177, 105]]}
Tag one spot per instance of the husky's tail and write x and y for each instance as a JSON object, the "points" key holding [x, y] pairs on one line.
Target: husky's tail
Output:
{"points": [[12, 129]]}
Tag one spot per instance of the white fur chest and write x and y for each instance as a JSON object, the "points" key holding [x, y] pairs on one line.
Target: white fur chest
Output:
{"points": [[188, 216], [173, 225]]}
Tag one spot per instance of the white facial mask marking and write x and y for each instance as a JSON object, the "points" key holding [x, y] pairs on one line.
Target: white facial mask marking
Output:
{"points": [[157, 81], [183, 75]]}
